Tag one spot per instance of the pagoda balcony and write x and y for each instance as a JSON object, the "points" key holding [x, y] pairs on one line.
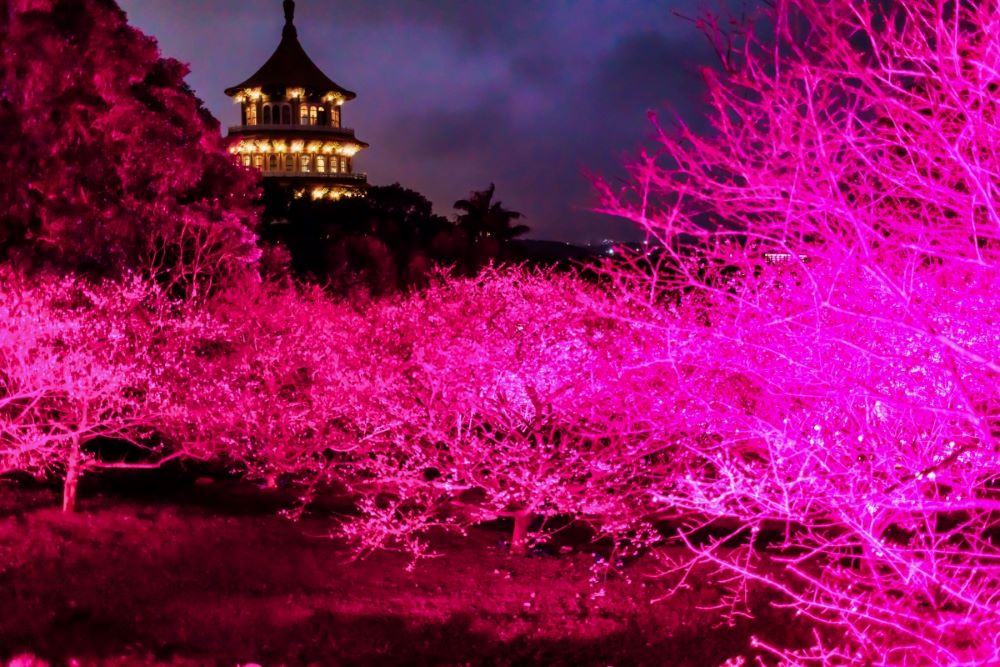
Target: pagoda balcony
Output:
{"points": [[272, 127], [281, 173]]}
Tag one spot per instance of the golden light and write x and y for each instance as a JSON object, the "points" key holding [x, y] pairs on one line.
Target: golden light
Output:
{"points": [[280, 146], [295, 93], [253, 93], [298, 145]]}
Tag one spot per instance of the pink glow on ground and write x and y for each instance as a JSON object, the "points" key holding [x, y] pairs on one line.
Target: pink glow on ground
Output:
{"points": [[851, 389], [836, 412]]}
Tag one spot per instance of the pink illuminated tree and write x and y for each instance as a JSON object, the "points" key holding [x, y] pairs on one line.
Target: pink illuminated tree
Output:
{"points": [[835, 242], [110, 163], [79, 364], [273, 381], [512, 395]]}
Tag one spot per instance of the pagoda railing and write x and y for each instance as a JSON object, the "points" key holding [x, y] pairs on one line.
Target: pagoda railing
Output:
{"points": [[354, 176], [326, 129]]}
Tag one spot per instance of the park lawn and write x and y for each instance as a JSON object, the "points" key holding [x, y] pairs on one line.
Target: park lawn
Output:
{"points": [[172, 572]]}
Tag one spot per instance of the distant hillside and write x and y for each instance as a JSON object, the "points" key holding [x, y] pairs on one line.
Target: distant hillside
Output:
{"points": [[555, 252]]}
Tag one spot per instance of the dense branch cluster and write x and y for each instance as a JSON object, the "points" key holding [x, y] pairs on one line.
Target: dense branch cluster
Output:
{"points": [[837, 236], [801, 373], [110, 163]]}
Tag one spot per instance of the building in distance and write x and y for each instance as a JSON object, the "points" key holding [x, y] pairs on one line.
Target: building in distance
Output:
{"points": [[292, 128]]}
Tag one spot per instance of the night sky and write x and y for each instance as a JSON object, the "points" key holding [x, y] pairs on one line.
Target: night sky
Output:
{"points": [[452, 94]]}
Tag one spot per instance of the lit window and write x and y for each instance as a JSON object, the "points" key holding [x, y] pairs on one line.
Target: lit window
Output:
{"points": [[321, 164], [258, 161], [305, 164], [251, 114], [289, 162], [336, 117], [333, 165], [343, 165], [313, 115], [246, 160], [303, 114], [272, 162]]}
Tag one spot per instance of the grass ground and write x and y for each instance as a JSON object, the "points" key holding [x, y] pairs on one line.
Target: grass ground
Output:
{"points": [[188, 574]]}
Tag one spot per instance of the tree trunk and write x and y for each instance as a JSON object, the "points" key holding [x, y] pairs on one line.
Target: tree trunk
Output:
{"points": [[519, 541], [72, 476]]}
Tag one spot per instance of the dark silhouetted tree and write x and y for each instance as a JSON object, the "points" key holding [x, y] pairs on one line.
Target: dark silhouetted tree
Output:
{"points": [[488, 226], [389, 239]]}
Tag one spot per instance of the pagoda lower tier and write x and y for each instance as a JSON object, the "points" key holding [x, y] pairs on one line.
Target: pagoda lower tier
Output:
{"points": [[311, 160]]}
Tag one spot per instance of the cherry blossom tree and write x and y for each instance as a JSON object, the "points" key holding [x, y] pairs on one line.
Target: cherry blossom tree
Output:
{"points": [[835, 243], [511, 395], [274, 380], [78, 364]]}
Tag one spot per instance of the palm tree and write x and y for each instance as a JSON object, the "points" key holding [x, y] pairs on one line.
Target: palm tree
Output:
{"points": [[483, 218]]}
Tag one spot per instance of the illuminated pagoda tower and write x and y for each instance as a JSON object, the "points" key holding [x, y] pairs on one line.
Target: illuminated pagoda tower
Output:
{"points": [[292, 123]]}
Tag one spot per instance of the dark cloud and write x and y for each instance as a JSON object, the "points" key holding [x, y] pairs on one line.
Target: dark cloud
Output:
{"points": [[475, 25], [454, 94], [445, 132], [648, 70]]}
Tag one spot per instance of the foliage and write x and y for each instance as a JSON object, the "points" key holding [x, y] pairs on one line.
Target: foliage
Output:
{"points": [[388, 240], [109, 162], [488, 227], [835, 241], [79, 364], [509, 395]]}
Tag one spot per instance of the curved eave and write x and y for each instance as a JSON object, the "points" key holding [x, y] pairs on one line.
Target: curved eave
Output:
{"points": [[291, 67], [329, 134]]}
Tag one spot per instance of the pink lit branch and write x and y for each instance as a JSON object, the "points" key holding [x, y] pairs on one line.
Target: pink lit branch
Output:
{"points": [[835, 240]]}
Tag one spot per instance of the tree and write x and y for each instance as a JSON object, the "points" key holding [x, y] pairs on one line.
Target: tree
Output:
{"points": [[109, 162], [79, 364], [843, 278], [488, 226], [273, 382], [387, 240], [509, 395]]}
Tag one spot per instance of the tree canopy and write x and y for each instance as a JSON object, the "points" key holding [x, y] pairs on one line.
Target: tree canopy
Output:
{"points": [[109, 162]]}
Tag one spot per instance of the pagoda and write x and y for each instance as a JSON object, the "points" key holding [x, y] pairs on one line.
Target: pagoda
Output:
{"points": [[292, 123]]}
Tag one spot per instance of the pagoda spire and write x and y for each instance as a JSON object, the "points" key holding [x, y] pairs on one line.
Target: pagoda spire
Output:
{"points": [[289, 29]]}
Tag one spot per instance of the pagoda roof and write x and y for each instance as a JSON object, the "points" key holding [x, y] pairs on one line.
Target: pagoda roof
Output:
{"points": [[290, 66]]}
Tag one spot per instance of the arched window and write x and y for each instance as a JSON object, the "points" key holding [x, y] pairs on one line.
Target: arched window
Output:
{"points": [[289, 162], [252, 113], [286, 114], [320, 164], [246, 159], [272, 162], [258, 161], [313, 114], [343, 165], [267, 114], [303, 114], [336, 116], [305, 164]]}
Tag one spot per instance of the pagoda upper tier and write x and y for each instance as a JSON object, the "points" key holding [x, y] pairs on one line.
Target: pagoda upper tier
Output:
{"points": [[292, 123]]}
